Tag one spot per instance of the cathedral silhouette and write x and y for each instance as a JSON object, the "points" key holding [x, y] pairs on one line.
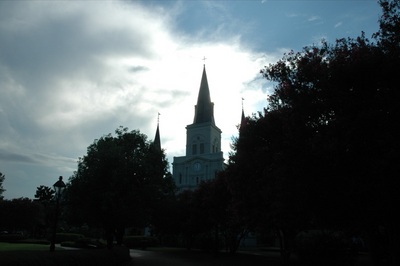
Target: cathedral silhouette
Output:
{"points": [[204, 158]]}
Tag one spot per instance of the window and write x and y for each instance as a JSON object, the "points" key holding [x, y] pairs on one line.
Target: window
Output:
{"points": [[215, 145], [180, 178], [194, 149], [201, 148]]}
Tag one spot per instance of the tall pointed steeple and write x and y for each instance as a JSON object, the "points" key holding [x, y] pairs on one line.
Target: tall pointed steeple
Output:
{"points": [[204, 109], [243, 119], [157, 141]]}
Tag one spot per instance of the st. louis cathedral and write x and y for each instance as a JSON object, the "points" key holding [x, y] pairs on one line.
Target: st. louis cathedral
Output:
{"points": [[204, 158]]}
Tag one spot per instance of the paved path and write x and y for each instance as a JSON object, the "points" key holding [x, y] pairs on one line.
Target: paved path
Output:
{"points": [[150, 258], [194, 258]]}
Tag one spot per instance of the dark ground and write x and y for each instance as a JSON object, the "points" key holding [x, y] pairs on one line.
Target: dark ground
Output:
{"points": [[194, 258], [151, 257], [182, 257]]}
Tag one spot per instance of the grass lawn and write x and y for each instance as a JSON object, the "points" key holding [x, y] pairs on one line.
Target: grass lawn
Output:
{"points": [[21, 246], [39, 255]]}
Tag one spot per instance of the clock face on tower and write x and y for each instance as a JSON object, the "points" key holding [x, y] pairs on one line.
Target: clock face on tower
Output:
{"points": [[197, 166]]}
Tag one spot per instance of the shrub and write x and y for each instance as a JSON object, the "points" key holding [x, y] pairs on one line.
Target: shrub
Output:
{"points": [[62, 237], [318, 247], [12, 237], [35, 241], [69, 244], [140, 241], [84, 243]]}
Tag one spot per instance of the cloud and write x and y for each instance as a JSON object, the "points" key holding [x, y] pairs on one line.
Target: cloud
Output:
{"points": [[338, 24], [14, 157], [313, 18], [71, 72]]}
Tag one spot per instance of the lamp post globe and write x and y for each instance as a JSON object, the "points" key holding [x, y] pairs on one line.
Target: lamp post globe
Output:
{"points": [[59, 187]]}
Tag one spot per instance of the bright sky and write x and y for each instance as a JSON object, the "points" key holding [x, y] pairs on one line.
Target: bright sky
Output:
{"points": [[73, 71]]}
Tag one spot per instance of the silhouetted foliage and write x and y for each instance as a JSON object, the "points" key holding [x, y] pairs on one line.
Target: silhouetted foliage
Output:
{"points": [[209, 217], [21, 215], [165, 221], [389, 26], [2, 177], [323, 155], [44, 194], [118, 183]]}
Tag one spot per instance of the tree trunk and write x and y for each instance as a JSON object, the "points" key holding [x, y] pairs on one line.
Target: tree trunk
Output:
{"points": [[283, 245], [110, 237], [119, 235], [393, 239], [233, 240]]}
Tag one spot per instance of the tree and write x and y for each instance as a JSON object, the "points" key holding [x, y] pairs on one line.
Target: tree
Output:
{"points": [[117, 184], [2, 177], [266, 175], [44, 194], [341, 102], [165, 218], [324, 153], [389, 26], [20, 214], [210, 219], [227, 217]]}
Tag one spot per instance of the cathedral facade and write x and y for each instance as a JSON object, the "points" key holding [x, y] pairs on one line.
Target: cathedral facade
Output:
{"points": [[204, 158]]}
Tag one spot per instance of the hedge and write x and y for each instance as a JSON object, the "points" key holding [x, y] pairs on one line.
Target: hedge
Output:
{"points": [[140, 241], [63, 237]]}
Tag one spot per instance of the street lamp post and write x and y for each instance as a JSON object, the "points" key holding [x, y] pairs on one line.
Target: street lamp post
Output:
{"points": [[59, 187]]}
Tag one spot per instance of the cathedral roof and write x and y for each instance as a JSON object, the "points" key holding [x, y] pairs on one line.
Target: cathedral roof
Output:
{"points": [[204, 109], [243, 120], [157, 141]]}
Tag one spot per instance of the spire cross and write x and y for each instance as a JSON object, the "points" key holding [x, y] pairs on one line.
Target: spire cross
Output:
{"points": [[242, 102], [158, 118], [204, 60]]}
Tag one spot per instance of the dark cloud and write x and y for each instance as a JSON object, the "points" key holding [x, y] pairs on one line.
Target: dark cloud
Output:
{"points": [[135, 69], [38, 51], [59, 82], [12, 157]]}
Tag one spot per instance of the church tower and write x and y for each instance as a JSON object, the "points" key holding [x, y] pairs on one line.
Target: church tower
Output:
{"points": [[204, 158]]}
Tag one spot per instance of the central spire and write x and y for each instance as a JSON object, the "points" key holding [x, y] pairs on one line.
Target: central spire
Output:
{"points": [[204, 109], [157, 141]]}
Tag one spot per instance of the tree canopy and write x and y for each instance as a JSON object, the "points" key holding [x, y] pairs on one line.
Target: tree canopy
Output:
{"points": [[342, 99], [118, 182], [44, 194], [323, 154], [2, 177], [21, 214]]}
